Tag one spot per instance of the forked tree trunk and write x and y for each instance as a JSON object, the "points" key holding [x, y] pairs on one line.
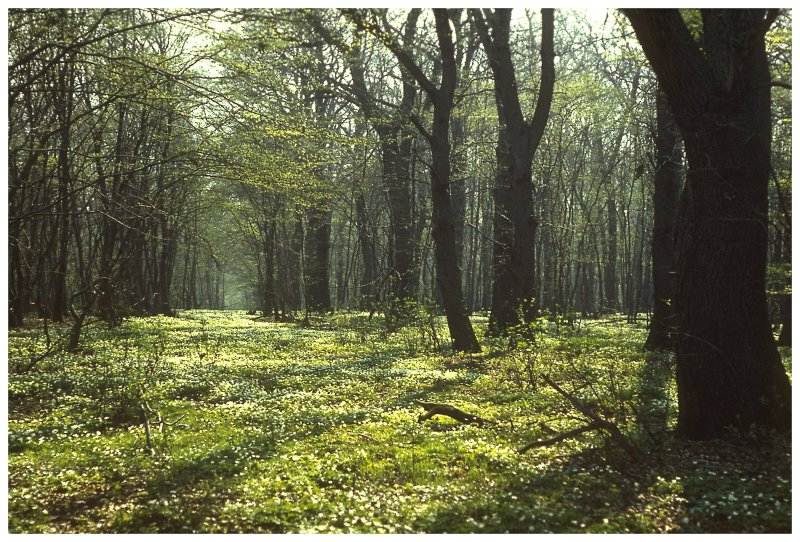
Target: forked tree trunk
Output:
{"points": [[514, 221], [448, 273]]}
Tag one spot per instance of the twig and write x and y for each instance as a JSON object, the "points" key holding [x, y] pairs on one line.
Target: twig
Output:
{"points": [[50, 349], [558, 438], [148, 442]]}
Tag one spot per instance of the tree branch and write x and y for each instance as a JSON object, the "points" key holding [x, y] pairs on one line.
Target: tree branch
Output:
{"points": [[403, 56], [601, 423], [675, 57], [542, 111], [558, 438]]}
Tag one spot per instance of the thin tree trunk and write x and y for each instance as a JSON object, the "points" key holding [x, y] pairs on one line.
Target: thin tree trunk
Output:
{"points": [[64, 111], [317, 263]]}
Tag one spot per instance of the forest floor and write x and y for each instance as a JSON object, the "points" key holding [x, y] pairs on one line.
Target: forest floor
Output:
{"points": [[272, 427]]}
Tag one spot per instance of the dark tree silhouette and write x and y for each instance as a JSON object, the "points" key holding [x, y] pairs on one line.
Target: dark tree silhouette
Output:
{"points": [[666, 192], [729, 372], [514, 222]]}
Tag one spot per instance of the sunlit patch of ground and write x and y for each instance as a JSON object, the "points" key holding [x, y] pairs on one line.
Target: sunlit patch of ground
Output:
{"points": [[281, 428]]}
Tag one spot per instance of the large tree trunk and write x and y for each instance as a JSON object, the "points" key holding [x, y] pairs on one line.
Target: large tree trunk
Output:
{"points": [[729, 372], [785, 338], [448, 275], [785, 300], [666, 192], [514, 233]]}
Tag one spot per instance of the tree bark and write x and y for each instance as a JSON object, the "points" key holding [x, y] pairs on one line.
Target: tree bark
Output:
{"points": [[611, 303], [448, 274], [666, 193], [396, 142], [317, 264], [368, 257], [395, 154], [514, 221], [458, 185], [64, 111], [729, 372]]}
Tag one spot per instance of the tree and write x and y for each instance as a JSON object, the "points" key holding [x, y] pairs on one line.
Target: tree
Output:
{"points": [[514, 222], [667, 183], [729, 372], [391, 124], [448, 273]]}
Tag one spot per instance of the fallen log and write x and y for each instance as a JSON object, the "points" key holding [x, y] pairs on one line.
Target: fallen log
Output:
{"points": [[432, 409]]}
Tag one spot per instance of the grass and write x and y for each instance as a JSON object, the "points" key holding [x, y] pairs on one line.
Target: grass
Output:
{"points": [[280, 428]]}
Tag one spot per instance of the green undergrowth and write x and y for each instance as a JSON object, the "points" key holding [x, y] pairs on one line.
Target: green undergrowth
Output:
{"points": [[278, 427]]}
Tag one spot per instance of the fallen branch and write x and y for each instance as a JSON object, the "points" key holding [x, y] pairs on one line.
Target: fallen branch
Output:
{"points": [[451, 412], [558, 438], [36, 358], [601, 423], [148, 441]]}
